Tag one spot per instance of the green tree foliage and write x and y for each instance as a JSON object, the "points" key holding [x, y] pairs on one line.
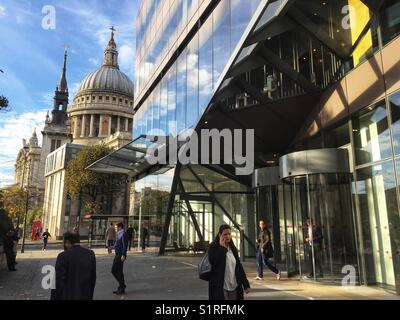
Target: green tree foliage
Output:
{"points": [[78, 179]]}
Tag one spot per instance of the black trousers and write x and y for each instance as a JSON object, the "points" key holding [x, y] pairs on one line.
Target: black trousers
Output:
{"points": [[317, 259], [10, 255], [130, 241], [118, 271]]}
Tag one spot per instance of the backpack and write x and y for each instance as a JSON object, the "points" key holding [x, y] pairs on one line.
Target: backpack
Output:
{"points": [[204, 268]]}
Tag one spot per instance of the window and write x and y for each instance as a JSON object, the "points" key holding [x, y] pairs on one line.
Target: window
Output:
{"points": [[371, 134], [390, 20], [394, 101]]}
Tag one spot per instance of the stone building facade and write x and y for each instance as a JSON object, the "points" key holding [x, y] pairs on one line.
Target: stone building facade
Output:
{"points": [[101, 113]]}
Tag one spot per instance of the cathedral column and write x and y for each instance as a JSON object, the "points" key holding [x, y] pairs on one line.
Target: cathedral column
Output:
{"points": [[119, 124], [109, 125], [76, 127], [83, 126], [126, 125], [101, 125], [91, 133]]}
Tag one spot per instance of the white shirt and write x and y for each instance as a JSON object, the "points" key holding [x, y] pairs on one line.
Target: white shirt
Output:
{"points": [[230, 283]]}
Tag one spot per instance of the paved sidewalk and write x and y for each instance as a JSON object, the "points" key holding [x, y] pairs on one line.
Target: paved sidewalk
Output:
{"points": [[168, 278]]}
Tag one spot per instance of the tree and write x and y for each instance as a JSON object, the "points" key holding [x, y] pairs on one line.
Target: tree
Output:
{"points": [[14, 202], [81, 182], [3, 103]]}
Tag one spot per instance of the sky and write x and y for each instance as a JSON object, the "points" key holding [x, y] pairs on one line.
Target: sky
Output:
{"points": [[33, 35]]}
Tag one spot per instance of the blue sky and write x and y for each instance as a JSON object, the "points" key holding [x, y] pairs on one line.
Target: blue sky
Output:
{"points": [[31, 58]]}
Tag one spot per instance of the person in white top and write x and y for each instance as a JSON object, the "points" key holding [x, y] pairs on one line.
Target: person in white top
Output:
{"points": [[228, 280]]}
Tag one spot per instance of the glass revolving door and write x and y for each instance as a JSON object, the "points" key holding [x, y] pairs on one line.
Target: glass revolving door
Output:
{"points": [[320, 226]]}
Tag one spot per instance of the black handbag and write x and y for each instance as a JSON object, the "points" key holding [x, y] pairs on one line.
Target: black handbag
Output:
{"points": [[204, 268]]}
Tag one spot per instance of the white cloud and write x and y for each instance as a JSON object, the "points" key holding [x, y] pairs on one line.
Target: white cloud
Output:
{"points": [[13, 128], [127, 58], [3, 12]]}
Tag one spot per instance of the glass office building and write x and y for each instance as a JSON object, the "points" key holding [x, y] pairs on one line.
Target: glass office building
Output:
{"points": [[319, 83]]}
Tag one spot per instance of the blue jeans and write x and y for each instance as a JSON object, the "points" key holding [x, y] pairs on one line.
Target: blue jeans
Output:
{"points": [[262, 261]]}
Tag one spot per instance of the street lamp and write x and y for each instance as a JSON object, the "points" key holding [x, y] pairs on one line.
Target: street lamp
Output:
{"points": [[25, 213]]}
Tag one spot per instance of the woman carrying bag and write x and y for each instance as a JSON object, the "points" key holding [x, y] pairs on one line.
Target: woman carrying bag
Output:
{"points": [[227, 279]]}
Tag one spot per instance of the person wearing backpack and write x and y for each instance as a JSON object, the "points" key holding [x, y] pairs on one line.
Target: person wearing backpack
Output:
{"points": [[265, 252], [227, 279]]}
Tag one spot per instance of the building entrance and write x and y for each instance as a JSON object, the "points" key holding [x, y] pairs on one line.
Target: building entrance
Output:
{"points": [[320, 235]]}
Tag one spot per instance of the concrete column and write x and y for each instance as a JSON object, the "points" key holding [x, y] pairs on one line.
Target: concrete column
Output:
{"points": [[91, 133], [126, 124], [119, 124], [76, 128], [109, 125], [101, 125], [83, 126]]}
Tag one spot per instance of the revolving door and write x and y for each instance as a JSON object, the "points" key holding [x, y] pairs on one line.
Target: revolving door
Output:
{"points": [[319, 220]]}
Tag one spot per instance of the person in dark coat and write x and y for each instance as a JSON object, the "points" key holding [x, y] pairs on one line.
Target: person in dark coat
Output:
{"points": [[121, 247], [75, 271], [228, 280], [145, 236], [131, 237], [8, 245]]}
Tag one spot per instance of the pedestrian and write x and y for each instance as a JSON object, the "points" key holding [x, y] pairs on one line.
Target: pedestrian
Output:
{"points": [[131, 237], [314, 240], [265, 252], [75, 271], [45, 236], [8, 245], [228, 280], [37, 235], [110, 237], [15, 238], [145, 236], [121, 247]]}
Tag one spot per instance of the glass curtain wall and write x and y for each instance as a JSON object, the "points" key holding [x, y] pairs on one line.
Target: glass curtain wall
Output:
{"points": [[149, 203], [188, 84], [375, 134]]}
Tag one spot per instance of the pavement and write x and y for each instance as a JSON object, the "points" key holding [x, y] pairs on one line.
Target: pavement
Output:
{"points": [[171, 277]]}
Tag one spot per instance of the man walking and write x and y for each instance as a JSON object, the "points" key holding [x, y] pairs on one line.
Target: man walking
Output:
{"points": [[75, 271], [314, 240], [131, 237], [110, 237], [265, 252], [46, 235], [121, 247]]}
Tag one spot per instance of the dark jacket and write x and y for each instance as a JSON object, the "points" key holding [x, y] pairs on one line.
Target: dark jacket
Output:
{"points": [[121, 245], [265, 243], [217, 257], [75, 274]]}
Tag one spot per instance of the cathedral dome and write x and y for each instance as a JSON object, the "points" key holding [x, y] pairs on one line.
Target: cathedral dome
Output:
{"points": [[107, 79]]}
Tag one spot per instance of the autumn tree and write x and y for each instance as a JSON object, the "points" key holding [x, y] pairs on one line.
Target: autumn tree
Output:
{"points": [[14, 200]]}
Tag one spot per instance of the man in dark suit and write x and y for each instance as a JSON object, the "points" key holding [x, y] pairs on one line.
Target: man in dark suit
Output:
{"points": [[75, 271], [121, 247]]}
